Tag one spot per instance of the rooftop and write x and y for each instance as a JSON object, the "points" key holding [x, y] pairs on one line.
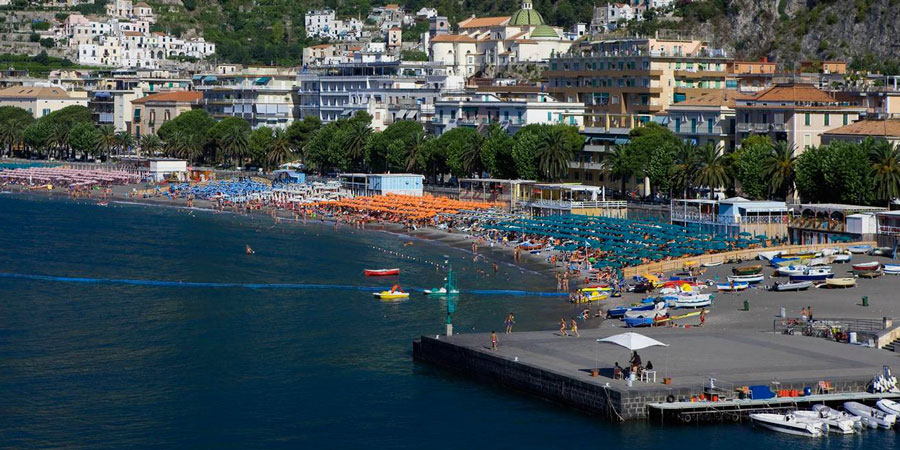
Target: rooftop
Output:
{"points": [[34, 92], [478, 22], [890, 127], [452, 38], [800, 93], [170, 97], [713, 98]]}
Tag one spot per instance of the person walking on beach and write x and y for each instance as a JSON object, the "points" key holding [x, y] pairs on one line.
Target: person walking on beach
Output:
{"points": [[702, 317], [493, 340], [809, 313], [562, 327], [510, 321], [575, 328], [803, 314]]}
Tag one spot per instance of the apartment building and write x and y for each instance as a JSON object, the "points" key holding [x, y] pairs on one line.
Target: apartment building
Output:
{"points": [[705, 119], [887, 129], [264, 96], [41, 100], [482, 109], [323, 24], [152, 111], [796, 113]]}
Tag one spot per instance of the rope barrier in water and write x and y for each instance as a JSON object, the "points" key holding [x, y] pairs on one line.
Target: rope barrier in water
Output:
{"points": [[296, 286]]}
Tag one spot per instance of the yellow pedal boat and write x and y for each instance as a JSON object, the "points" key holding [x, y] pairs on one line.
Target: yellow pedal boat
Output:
{"points": [[388, 295]]}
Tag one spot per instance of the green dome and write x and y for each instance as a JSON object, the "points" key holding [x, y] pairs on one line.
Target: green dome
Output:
{"points": [[544, 31], [526, 17]]}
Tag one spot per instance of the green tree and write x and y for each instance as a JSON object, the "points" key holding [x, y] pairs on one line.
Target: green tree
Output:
{"points": [[258, 145], [323, 150], [711, 171], [686, 165], [151, 144], [279, 148], [780, 169], [355, 137], [622, 164], [230, 136], [83, 138], [299, 132], [496, 153], [124, 141], [193, 122], [651, 148], [558, 146], [848, 173], [810, 175], [750, 160], [38, 137], [885, 170], [390, 150], [463, 151], [106, 141], [526, 143]]}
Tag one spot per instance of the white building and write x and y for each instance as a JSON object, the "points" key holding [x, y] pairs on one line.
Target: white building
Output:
{"points": [[41, 100], [482, 109], [610, 16], [426, 13], [264, 96], [322, 24]]}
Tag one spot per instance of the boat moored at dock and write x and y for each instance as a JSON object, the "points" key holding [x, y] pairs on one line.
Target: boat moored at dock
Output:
{"points": [[787, 423]]}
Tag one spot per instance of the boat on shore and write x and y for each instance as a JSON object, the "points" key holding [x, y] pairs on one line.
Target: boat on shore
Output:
{"points": [[691, 301], [747, 270], [880, 418], [888, 406], [791, 286], [892, 269], [618, 313], [758, 278], [835, 425], [787, 423], [868, 273], [791, 270], [859, 249], [842, 257], [381, 272], [868, 266], [844, 282], [815, 274], [733, 287], [880, 251], [713, 263]]}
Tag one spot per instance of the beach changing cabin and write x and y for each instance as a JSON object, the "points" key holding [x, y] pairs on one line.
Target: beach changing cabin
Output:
{"points": [[162, 169], [382, 183]]}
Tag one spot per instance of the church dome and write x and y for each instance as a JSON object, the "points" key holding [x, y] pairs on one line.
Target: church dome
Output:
{"points": [[544, 31], [526, 17]]}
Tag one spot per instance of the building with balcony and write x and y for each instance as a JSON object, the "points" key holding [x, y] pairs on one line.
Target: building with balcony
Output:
{"points": [[887, 129], [323, 24], [888, 228], [796, 113], [635, 76], [822, 223], [550, 199], [113, 107], [264, 96], [480, 110], [41, 100], [705, 119], [152, 111], [382, 183], [732, 216]]}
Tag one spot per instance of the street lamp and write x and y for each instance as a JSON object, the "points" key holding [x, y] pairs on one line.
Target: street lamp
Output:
{"points": [[450, 288]]}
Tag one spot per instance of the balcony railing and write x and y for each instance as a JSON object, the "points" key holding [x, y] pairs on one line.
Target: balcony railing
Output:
{"points": [[889, 230], [562, 204]]}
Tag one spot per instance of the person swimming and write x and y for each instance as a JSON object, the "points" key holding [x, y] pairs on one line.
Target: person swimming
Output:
{"points": [[250, 251]]}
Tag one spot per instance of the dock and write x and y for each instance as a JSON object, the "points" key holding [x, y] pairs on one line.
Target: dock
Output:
{"points": [[578, 371]]}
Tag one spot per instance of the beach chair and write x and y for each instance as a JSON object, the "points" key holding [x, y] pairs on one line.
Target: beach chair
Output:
{"points": [[824, 387]]}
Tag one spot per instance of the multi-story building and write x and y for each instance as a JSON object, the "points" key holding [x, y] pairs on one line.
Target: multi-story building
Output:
{"points": [[796, 113], [120, 8], [481, 109], [322, 24], [113, 107], [705, 119], [387, 91], [610, 16], [622, 82], [264, 96], [152, 111], [394, 39], [41, 100], [887, 129]]}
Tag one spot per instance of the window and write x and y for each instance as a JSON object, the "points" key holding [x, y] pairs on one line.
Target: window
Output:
{"points": [[693, 125], [709, 125], [845, 118], [549, 116], [678, 125], [827, 120], [806, 119]]}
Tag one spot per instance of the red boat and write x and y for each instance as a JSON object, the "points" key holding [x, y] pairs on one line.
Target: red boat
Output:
{"points": [[874, 265], [381, 272]]}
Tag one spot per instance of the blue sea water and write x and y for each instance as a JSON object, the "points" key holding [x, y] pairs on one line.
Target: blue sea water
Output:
{"points": [[109, 365]]}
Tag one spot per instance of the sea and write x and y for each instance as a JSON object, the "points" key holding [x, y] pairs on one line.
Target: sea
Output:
{"points": [[136, 326]]}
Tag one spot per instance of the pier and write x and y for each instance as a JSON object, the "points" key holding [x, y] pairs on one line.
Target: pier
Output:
{"points": [[579, 371]]}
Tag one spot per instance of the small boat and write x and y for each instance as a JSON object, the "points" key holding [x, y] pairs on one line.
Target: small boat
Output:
{"points": [[859, 249], [791, 286], [787, 423], [596, 288], [634, 322], [815, 274], [767, 256], [880, 251], [888, 406], [791, 270], [391, 295], [841, 282], [831, 413], [865, 267], [892, 269], [868, 273], [381, 272], [747, 278], [747, 270], [732, 287], [712, 263], [881, 418], [820, 261], [691, 301], [835, 425], [618, 313], [439, 291], [660, 320], [643, 287], [659, 309]]}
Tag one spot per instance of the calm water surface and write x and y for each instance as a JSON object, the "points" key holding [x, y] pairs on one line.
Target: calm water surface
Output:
{"points": [[118, 366]]}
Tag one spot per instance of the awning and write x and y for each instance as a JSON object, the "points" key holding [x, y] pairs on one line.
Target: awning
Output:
{"points": [[662, 120], [620, 141], [401, 114], [102, 94], [197, 77], [210, 79], [263, 80], [412, 115], [347, 112]]}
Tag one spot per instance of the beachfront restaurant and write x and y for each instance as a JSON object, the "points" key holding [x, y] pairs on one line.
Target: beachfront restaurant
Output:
{"points": [[732, 216], [162, 169], [510, 193], [562, 198], [887, 225], [823, 223], [367, 184]]}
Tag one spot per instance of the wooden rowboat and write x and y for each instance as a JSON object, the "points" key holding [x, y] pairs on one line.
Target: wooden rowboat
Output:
{"points": [[381, 272], [873, 265], [747, 270], [840, 282]]}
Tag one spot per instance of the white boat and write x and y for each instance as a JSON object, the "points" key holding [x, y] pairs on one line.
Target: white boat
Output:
{"points": [[758, 278], [441, 291], [843, 257], [768, 255], [831, 413], [888, 406], [792, 286], [881, 418], [859, 249], [892, 269], [659, 309], [736, 286], [835, 425], [787, 423], [820, 261], [712, 263], [791, 270], [690, 300]]}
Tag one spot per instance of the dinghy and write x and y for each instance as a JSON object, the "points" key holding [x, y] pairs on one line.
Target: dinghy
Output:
{"points": [[831, 413], [835, 425], [767, 256], [791, 270], [842, 257], [881, 418], [618, 313], [712, 263], [391, 295], [633, 322], [787, 423], [815, 274], [868, 266], [791, 286], [841, 282], [747, 270], [692, 301], [859, 249], [733, 287], [381, 272], [881, 251], [440, 291], [892, 269], [747, 278], [888, 406], [868, 273]]}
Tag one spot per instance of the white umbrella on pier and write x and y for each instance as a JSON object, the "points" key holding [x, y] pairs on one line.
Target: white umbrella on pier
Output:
{"points": [[632, 341]]}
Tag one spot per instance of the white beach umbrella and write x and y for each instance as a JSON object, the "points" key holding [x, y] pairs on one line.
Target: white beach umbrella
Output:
{"points": [[632, 341]]}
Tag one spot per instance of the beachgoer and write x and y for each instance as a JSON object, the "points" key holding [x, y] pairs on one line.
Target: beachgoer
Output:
{"points": [[495, 268], [803, 314], [575, 328], [809, 313], [635, 361], [493, 340], [562, 327], [649, 365], [510, 321], [617, 371], [702, 317], [250, 250]]}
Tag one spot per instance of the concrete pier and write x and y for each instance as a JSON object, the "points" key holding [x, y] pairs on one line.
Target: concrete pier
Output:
{"points": [[560, 368]]}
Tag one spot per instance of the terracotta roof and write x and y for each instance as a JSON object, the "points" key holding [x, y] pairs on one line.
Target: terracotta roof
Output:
{"points": [[141, 5], [477, 22], [793, 93], [392, 6], [159, 33], [170, 97], [526, 41], [890, 127], [133, 33], [723, 97], [34, 92], [452, 38], [320, 46], [516, 36]]}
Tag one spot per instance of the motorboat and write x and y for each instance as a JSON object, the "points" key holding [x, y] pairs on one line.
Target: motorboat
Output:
{"points": [[634, 322], [788, 423], [881, 418], [747, 270], [835, 425], [691, 301], [813, 274], [892, 269], [843, 257], [843, 282], [791, 286], [758, 278], [820, 261], [888, 406], [713, 263], [440, 291], [791, 270], [859, 249], [659, 309], [381, 272], [733, 286], [781, 262], [866, 267], [391, 295], [827, 411], [880, 251], [618, 313]]}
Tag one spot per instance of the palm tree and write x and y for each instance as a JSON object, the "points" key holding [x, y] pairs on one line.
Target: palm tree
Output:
{"points": [[886, 170], [711, 170], [620, 164], [151, 144], [107, 140], [124, 141], [553, 154], [779, 166], [685, 168], [234, 144], [280, 148], [471, 155], [60, 139], [356, 139], [10, 135], [415, 158]]}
